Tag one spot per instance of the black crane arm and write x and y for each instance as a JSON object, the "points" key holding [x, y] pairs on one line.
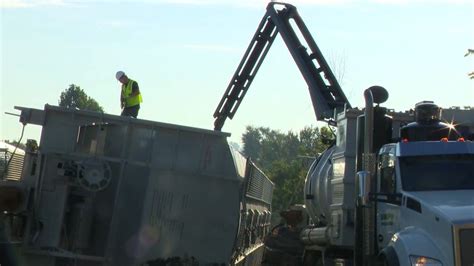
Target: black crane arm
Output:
{"points": [[326, 94]]}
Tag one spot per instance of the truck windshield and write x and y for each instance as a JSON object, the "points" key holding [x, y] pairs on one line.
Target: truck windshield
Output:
{"points": [[441, 172]]}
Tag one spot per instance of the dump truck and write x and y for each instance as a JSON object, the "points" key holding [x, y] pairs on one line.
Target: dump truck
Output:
{"points": [[388, 194], [103, 189], [396, 188]]}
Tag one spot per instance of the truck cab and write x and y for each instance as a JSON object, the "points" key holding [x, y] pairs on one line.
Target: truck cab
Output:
{"points": [[425, 203], [397, 190]]}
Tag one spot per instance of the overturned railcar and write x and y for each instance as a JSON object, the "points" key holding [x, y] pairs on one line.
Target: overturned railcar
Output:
{"points": [[111, 190]]}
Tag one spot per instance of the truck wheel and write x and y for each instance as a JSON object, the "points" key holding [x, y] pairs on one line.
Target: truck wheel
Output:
{"points": [[319, 262], [388, 258], [313, 258], [384, 262]]}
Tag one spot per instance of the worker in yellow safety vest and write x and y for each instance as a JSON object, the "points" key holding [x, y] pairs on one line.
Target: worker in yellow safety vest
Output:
{"points": [[130, 96]]}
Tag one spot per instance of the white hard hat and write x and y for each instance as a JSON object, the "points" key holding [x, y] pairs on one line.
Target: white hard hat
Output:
{"points": [[119, 74]]}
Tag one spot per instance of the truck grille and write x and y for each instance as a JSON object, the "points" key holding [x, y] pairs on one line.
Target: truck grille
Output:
{"points": [[463, 244]]}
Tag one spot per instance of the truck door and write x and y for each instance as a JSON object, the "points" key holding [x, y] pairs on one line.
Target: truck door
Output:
{"points": [[388, 201]]}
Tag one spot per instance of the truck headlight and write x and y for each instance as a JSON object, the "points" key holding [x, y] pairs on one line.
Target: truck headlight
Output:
{"points": [[422, 261]]}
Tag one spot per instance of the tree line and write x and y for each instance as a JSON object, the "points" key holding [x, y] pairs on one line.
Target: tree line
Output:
{"points": [[285, 158], [75, 97]]}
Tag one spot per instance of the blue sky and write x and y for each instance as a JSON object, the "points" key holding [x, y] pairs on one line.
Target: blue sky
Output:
{"points": [[183, 54]]}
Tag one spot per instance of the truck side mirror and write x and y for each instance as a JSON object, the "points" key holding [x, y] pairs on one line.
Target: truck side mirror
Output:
{"points": [[363, 188]]}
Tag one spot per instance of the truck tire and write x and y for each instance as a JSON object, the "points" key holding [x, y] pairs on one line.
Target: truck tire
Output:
{"points": [[388, 257], [313, 258]]}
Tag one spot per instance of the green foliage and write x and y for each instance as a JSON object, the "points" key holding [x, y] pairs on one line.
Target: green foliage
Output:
{"points": [[289, 182], [285, 158], [75, 97]]}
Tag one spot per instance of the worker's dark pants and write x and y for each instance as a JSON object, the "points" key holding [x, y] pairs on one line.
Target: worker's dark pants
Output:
{"points": [[131, 111]]}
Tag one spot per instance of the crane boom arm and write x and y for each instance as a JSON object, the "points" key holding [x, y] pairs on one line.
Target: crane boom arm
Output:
{"points": [[325, 92]]}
